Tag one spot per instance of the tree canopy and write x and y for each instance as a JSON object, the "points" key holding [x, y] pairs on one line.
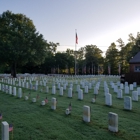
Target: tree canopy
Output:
{"points": [[20, 43]]}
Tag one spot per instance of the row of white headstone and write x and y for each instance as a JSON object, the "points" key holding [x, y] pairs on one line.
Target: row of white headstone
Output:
{"points": [[112, 120], [108, 96]]}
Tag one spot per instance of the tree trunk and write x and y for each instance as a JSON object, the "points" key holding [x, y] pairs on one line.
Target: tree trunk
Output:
{"points": [[13, 70]]}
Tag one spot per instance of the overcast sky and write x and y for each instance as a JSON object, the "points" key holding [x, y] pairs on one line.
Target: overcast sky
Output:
{"points": [[98, 22]]}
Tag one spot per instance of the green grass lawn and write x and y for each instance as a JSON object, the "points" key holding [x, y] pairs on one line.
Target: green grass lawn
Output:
{"points": [[32, 121]]}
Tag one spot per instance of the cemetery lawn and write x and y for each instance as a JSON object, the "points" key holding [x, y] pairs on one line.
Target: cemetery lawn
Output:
{"points": [[31, 121]]}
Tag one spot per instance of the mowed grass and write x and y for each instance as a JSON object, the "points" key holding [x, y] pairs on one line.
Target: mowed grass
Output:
{"points": [[31, 121]]}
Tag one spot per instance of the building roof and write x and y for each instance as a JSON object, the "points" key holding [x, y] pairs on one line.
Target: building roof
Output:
{"points": [[135, 59]]}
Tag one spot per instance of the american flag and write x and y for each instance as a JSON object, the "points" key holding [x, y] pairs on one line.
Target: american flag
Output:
{"points": [[76, 39], [0, 116], [46, 100], [70, 106], [10, 127]]}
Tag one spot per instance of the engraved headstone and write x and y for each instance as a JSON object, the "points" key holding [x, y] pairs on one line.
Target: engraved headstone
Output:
{"points": [[15, 91], [10, 89], [121, 86], [134, 84], [5, 131], [95, 90], [53, 104], [127, 103], [86, 113], [106, 91], [53, 90], [131, 86], [108, 99], [126, 90], [113, 122], [119, 94], [19, 93], [47, 89], [135, 95], [80, 94], [86, 89], [138, 89], [70, 92]]}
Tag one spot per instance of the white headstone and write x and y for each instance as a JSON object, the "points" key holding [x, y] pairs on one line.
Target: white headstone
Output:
{"points": [[89, 85], [138, 89], [19, 83], [86, 89], [113, 122], [131, 86], [19, 92], [6, 88], [53, 104], [86, 113], [80, 94], [118, 83], [3, 88], [5, 131], [135, 95], [134, 84], [126, 90], [78, 87], [15, 91], [53, 90], [70, 92], [58, 85], [106, 91], [23, 84], [36, 87], [108, 99], [10, 89], [119, 94], [27, 85], [115, 88], [126, 83], [121, 86], [61, 91], [127, 103], [95, 90], [64, 86], [47, 89]]}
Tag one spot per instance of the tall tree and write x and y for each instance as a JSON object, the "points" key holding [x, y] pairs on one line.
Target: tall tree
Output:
{"points": [[112, 59], [93, 55], [19, 41]]}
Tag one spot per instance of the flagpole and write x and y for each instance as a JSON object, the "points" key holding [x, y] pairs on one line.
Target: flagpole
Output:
{"points": [[75, 51]]}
